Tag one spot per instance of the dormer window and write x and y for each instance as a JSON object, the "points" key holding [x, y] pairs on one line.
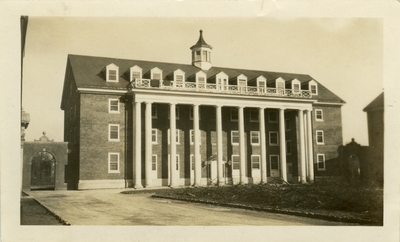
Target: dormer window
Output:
{"points": [[112, 73], [296, 86], [135, 73], [201, 79], [221, 80], [242, 82], [262, 84], [156, 73], [280, 85], [313, 87], [179, 78]]}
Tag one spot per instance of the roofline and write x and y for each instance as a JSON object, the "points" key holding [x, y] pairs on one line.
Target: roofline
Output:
{"points": [[330, 103]]}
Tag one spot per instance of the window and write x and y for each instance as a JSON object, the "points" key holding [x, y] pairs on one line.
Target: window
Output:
{"points": [[153, 112], [280, 84], [113, 162], [313, 89], [179, 78], [113, 105], [198, 55], [253, 115], [201, 79], [287, 124], [255, 162], [274, 162], [191, 162], [234, 137], [112, 75], [321, 162], [192, 136], [320, 137], [176, 161], [273, 138], [319, 115], [177, 136], [136, 73], [234, 114], [204, 55], [288, 147], [255, 137], [154, 162], [191, 113], [235, 162], [273, 116], [242, 82], [296, 88], [156, 73], [154, 136], [176, 113], [113, 132]]}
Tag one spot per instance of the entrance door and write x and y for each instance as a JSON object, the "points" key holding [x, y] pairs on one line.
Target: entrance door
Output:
{"points": [[43, 171]]}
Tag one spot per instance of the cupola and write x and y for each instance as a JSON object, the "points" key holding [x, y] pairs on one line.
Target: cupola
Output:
{"points": [[201, 54]]}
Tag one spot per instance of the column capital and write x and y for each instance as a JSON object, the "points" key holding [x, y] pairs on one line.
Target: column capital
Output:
{"points": [[218, 105], [172, 103], [283, 109], [148, 102]]}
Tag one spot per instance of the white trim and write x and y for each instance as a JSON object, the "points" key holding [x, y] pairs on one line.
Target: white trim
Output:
{"points": [[177, 136], [201, 74], [109, 105], [179, 72], [313, 83], [154, 135], [109, 133], [296, 82], [232, 131], [101, 90], [112, 67], [177, 163], [280, 80], [109, 162], [277, 138], [154, 108], [324, 168], [251, 137], [270, 162], [237, 162], [156, 70], [259, 161], [316, 137], [191, 136], [316, 115], [327, 103], [135, 69]]}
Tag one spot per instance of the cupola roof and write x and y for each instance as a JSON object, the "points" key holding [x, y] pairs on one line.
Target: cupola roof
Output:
{"points": [[201, 42]]}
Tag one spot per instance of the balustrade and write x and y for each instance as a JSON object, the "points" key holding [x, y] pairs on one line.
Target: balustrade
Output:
{"points": [[217, 88]]}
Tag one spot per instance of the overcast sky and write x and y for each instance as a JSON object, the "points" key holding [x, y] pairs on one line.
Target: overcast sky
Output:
{"points": [[345, 55]]}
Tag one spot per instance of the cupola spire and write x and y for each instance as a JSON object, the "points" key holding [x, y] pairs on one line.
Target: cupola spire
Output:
{"points": [[201, 53]]}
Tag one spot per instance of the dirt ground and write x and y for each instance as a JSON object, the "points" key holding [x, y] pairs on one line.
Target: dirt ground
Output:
{"points": [[32, 213]]}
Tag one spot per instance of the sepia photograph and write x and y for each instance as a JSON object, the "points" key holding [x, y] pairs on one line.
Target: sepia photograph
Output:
{"points": [[201, 122]]}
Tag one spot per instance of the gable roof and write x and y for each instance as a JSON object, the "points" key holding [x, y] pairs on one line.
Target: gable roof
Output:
{"points": [[87, 72], [377, 103]]}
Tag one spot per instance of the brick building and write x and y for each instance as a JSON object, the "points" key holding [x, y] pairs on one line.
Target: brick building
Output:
{"points": [[229, 125]]}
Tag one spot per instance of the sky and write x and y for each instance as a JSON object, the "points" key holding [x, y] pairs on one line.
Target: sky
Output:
{"points": [[343, 54]]}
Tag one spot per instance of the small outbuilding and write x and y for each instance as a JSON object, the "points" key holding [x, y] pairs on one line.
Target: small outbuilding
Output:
{"points": [[44, 163]]}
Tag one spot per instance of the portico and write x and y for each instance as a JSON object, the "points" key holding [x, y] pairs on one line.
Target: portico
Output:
{"points": [[218, 103]]}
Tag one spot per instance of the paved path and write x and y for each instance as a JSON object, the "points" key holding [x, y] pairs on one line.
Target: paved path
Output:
{"points": [[110, 207]]}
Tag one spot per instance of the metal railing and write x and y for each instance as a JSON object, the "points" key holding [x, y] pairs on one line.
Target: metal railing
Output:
{"points": [[217, 88]]}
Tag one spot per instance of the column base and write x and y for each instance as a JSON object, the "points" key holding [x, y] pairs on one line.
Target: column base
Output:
{"points": [[137, 186]]}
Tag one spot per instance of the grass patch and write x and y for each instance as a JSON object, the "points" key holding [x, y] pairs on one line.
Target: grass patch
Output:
{"points": [[330, 197]]}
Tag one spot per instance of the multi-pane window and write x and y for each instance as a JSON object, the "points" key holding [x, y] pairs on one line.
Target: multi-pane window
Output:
{"points": [[320, 137], [313, 89], [113, 132], [154, 162], [255, 162], [201, 81], [242, 83], [296, 88], [113, 105], [136, 75], [255, 137], [273, 116], [235, 137], [112, 75], [235, 162], [274, 162], [176, 161], [192, 162], [192, 136], [177, 136], [113, 162], [273, 138], [253, 115], [153, 111], [234, 114], [288, 147], [204, 55], [179, 79], [321, 162], [154, 136], [156, 76], [198, 55], [319, 115]]}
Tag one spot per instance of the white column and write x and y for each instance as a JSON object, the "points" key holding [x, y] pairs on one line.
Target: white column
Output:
{"points": [[302, 148], [242, 153], [172, 165], [282, 138], [305, 143], [310, 147], [219, 144], [196, 134], [138, 145], [148, 145], [263, 150]]}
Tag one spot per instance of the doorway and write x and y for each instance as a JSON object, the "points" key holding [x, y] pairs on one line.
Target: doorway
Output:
{"points": [[43, 167]]}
